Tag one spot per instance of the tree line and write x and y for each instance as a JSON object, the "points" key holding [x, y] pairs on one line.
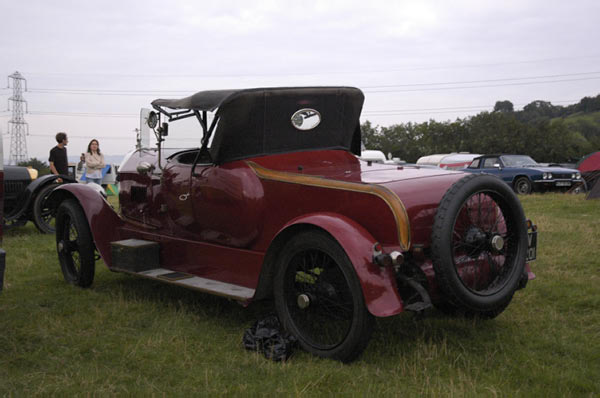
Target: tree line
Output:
{"points": [[546, 132]]}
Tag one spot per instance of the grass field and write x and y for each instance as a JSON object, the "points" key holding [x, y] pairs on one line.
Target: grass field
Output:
{"points": [[131, 336]]}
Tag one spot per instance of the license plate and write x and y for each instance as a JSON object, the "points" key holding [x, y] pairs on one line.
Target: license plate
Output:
{"points": [[531, 246], [563, 183]]}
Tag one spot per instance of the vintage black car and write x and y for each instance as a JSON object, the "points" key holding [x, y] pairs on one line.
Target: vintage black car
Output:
{"points": [[25, 196]]}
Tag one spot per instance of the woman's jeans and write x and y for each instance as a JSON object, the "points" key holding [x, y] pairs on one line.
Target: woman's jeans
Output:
{"points": [[94, 180]]}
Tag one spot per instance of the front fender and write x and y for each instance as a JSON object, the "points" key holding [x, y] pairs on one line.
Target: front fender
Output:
{"points": [[378, 284], [48, 179], [104, 222], [28, 196]]}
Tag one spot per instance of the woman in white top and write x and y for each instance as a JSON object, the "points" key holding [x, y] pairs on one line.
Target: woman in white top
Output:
{"points": [[94, 163]]}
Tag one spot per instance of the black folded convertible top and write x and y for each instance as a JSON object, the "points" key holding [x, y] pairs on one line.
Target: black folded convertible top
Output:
{"points": [[201, 101], [210, 100], [257, 121]]}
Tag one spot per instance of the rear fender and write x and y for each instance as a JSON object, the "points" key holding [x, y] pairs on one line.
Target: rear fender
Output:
{"points": [[378, 284], [104, 222]]}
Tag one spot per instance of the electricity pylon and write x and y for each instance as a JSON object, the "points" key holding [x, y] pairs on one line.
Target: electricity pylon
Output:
{"points": [[17, 126]]}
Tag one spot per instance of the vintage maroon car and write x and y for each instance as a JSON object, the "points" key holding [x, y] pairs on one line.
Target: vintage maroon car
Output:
{"points": [[274, 203]]}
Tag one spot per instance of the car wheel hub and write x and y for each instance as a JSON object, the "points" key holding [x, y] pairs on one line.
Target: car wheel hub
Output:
{"points": [[303, 301], [497, 243], [474, 240]]}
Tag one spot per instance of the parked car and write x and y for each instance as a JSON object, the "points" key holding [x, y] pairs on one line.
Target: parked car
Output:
{"points": [[370, 155], [525, 175], [276, 204], [375, 156], [25, 198]]}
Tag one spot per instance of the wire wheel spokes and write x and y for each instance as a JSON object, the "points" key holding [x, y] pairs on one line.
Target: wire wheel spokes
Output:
{"points": [[318, 298], [46, 211], [70, 247], [482, 248], [47, 216]]}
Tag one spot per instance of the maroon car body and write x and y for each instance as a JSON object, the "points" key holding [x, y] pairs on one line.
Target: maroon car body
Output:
{"points": [[275, 189]]}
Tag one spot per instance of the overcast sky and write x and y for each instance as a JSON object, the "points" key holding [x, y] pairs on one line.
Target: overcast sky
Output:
{"points": [[91, 65]]}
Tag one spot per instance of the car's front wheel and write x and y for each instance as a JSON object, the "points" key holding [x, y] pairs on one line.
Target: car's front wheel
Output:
{"points": [[43, 215], [523, 186], [74, 244], [319, 298]]}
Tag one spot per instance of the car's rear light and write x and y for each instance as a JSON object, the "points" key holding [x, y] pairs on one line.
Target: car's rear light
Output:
{"points": [[393, 259]]}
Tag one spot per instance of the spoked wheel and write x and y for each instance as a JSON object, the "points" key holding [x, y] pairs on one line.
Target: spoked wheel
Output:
{"points": [[43, 215], [74, 244], [479, 244], [319, 298]]}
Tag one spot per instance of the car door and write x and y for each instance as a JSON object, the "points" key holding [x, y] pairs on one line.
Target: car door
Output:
{"points": [[490, 165], [494, 165], [227, 204], [207, 203], [175, 194], [506, 173]]}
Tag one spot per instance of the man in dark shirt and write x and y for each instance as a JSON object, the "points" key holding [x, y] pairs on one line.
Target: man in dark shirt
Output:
{"points": [[58, 156]]}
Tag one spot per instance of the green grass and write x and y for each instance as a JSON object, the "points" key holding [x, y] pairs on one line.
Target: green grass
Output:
{"points": [[132, 336]]}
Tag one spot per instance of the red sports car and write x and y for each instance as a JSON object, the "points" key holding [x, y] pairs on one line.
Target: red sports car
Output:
{"points": [[274, 203]]}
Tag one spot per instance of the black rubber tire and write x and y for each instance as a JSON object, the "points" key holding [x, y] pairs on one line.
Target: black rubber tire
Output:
{"points": [[523, 186], [74, 244], [43, 215], [476, 278], [336, 323]]}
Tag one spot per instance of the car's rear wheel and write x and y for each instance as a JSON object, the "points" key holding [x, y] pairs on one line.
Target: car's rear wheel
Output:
{"points": [[479, 244], [43, 215], [74, 244], [523, 186], [319, 298]]}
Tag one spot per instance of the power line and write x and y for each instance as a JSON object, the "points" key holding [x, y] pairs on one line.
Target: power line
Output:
{"points": [[84, 114], [374, 112], [75, 90], [485, 81], [51, 135], [422, 113], [105, 137], [367, 89], [390, 112], [109, 92], [479, 86], [313, 73]]}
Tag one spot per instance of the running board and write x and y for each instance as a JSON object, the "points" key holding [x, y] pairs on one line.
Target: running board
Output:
{"points": [[235, 292]]}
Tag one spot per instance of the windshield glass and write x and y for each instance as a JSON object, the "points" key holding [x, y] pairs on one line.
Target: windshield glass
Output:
{"points": [[518, 161]]}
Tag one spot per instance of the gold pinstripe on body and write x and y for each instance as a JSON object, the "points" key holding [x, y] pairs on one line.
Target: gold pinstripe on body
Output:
{"points": [[388, 196]]}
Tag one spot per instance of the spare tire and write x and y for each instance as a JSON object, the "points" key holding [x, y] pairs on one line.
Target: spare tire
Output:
{"points": [[479, 245]]}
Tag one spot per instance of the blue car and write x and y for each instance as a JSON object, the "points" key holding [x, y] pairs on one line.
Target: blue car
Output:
{"points": [[525, 175]]}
